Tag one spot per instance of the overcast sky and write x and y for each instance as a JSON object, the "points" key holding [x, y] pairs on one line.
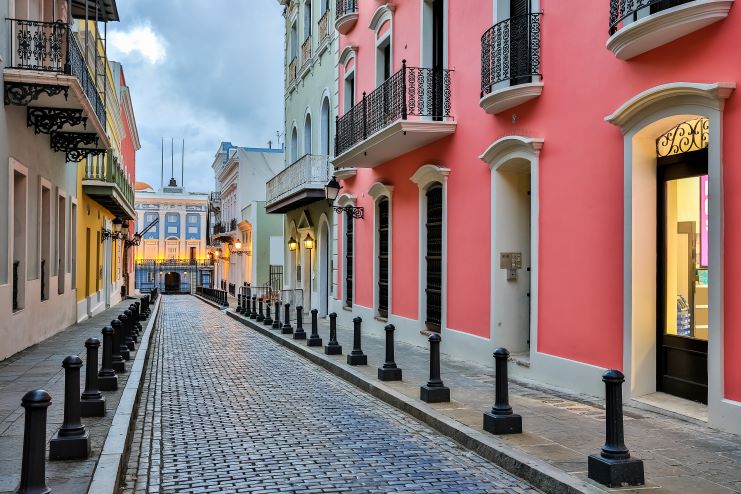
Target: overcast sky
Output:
{"points": [[201, 71]]}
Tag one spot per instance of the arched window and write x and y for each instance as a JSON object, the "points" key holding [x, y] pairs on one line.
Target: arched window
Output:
{"points": [[294, 144], [307, 134], [325, 125]]}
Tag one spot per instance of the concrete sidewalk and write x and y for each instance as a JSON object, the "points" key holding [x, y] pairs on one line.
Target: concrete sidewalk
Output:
{"points": [[560, 429], [40, 366]]}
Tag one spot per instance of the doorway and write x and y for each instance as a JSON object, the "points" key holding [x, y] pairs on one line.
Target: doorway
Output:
{"points": [[682, 275], [172, 282]]}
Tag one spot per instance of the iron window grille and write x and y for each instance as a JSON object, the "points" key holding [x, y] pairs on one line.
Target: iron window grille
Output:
{"points": [[631, 10], [345, 7]]}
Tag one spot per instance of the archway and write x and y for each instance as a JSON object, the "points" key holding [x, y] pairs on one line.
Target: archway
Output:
{"points": [[172, 282]]}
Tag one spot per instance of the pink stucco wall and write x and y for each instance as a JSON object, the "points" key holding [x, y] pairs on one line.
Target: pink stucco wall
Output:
{"points": [[581, 173]]}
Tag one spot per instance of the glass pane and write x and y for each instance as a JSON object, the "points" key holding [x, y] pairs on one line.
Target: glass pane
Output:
{"points": [[686, 258]]}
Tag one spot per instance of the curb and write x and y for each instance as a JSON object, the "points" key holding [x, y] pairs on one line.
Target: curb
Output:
{"points": [[539, 473], [108, 471]]}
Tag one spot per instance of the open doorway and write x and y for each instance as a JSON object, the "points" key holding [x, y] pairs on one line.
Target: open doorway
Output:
{"points": [[172, 282]]}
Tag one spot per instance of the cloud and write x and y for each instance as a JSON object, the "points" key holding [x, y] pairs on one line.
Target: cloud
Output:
{"points": [[141, 39]]}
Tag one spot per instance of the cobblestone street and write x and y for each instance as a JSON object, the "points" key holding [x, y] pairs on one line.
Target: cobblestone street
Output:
{"points": [[224, 409]]}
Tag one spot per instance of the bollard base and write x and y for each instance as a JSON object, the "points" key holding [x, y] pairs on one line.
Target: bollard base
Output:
{"points": [[357, 359], [277, 325], [331, 349], [108, 383], [260, 318], [267, 322], [389, 374], [615, 473], [299, 335], [69, 448], [286, 330], [438, 394], [502, 424], [126, 355], [92, 408], [119, 367], [130, 345], [314, 341]]}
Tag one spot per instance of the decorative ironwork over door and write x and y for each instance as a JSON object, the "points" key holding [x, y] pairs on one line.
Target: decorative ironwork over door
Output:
{"points": [[383, 257], [349, 250], [434, 227]]}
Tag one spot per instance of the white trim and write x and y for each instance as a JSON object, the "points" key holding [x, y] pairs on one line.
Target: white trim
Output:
{"points": [[426, 174], [642, 119], [653, 30], [347, 53], [379, 191], [383, 13], [508, 97], [378, 41], [423, 55]]}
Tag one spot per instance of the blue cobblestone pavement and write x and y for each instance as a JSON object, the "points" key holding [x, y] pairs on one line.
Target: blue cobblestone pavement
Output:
{"points": [[224, 409]]}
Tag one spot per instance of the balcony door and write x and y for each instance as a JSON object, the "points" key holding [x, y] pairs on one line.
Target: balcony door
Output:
{"points": [[666, 4], [433, 56], [519, 42]]}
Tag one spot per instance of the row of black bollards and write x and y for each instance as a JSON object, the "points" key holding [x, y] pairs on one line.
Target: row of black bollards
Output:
{"points": [[72, 440], [613, 466], [214, 295]]}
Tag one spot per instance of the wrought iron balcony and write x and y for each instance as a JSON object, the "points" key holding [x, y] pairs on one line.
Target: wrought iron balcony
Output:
{"points": [[292, 70], [45, 61], [107, 182], [346, 15], [323, 26], [637, 26], [510, 63], [414, 102], [306, 51], [299, 184]]}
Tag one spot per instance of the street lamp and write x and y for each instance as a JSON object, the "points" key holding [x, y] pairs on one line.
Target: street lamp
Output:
{"points": [[238, 245], [331, 191], [309, 242], [292, 244]]}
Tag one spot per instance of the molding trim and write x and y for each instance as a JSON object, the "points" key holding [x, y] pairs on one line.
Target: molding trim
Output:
{"points": [[510, 147], [345, 173], [379, 189], [505, 98], [426, 174], [382, 13], [345, 23], [663, 27], [658, 98], [347, 200], [348, 52]]}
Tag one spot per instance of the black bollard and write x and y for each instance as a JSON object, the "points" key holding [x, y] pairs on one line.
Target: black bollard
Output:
{"points": [[238, 310], [287, 328], [260, 317], [614, 466], [129, 325], [133, 329], [268, 321], [92, 402], [71, 441], [434, 391], [117, 360], [253, 313], [225, 298], [389, 371], [139, 312], [314, 339], [124, 349], [33, 465], [333, 347], [107, 378], [501, 420], [276, 322], [300, 334], [357, 357]]}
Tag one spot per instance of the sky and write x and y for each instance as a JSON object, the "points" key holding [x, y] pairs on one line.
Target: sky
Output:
{"points": [[203, 71]]}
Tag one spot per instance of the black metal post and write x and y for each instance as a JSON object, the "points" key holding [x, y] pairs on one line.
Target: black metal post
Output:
{"points": [[253, 314], [501, 420], [434, 391], [260, 317], [300, 334], [239, 303], [71, 441], [139, 310], [129, 330], [287, 328], [134, 324], [268, 321], [276, 322], [365, 118], [389, 371], [107, 378], [314, 339], [33, 464], [403, 89], [92, 402], [614, 466], [117, 360], [333, 347], [357, 357]]}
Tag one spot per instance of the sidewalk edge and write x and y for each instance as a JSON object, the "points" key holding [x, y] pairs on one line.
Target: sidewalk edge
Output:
{"points": [[108, 470], [540, 474]]}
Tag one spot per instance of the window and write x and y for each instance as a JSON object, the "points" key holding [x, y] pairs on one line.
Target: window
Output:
{"points": [[20, 192], [433, 257], [61, 241], [307, 134], [349, 248], [153, 233], [192, 219], [294, 42], [349, 94], [325, 126], [307, 19], [72, 267], [383, 257], [294, 145], [45, 241]]}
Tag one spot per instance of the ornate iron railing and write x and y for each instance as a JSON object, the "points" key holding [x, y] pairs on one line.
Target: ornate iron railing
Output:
{"points": [[323, 26], [691, 135], [412, 91], [306, 51], [345, 7], [79, 69], [631, 10], [311, 171], [510, 51], [292, 70], [108, 169]]}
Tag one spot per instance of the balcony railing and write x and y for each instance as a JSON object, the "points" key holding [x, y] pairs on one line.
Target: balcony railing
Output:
{"points": [[625, 11], [412, 91], [108, 169], [510, 51], [308, 172], [323, 26], [345, 7], [306, 51], [52, 47], [292, 70]]}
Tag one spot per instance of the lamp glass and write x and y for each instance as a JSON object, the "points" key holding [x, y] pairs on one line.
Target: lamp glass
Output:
{"points": [[238, 245], [116, 225], [125, 228], [332, 189], [309, 242], [292, 244]]}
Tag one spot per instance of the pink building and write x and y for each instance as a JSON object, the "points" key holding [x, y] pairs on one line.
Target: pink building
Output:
{"points": [[552, 177]]}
